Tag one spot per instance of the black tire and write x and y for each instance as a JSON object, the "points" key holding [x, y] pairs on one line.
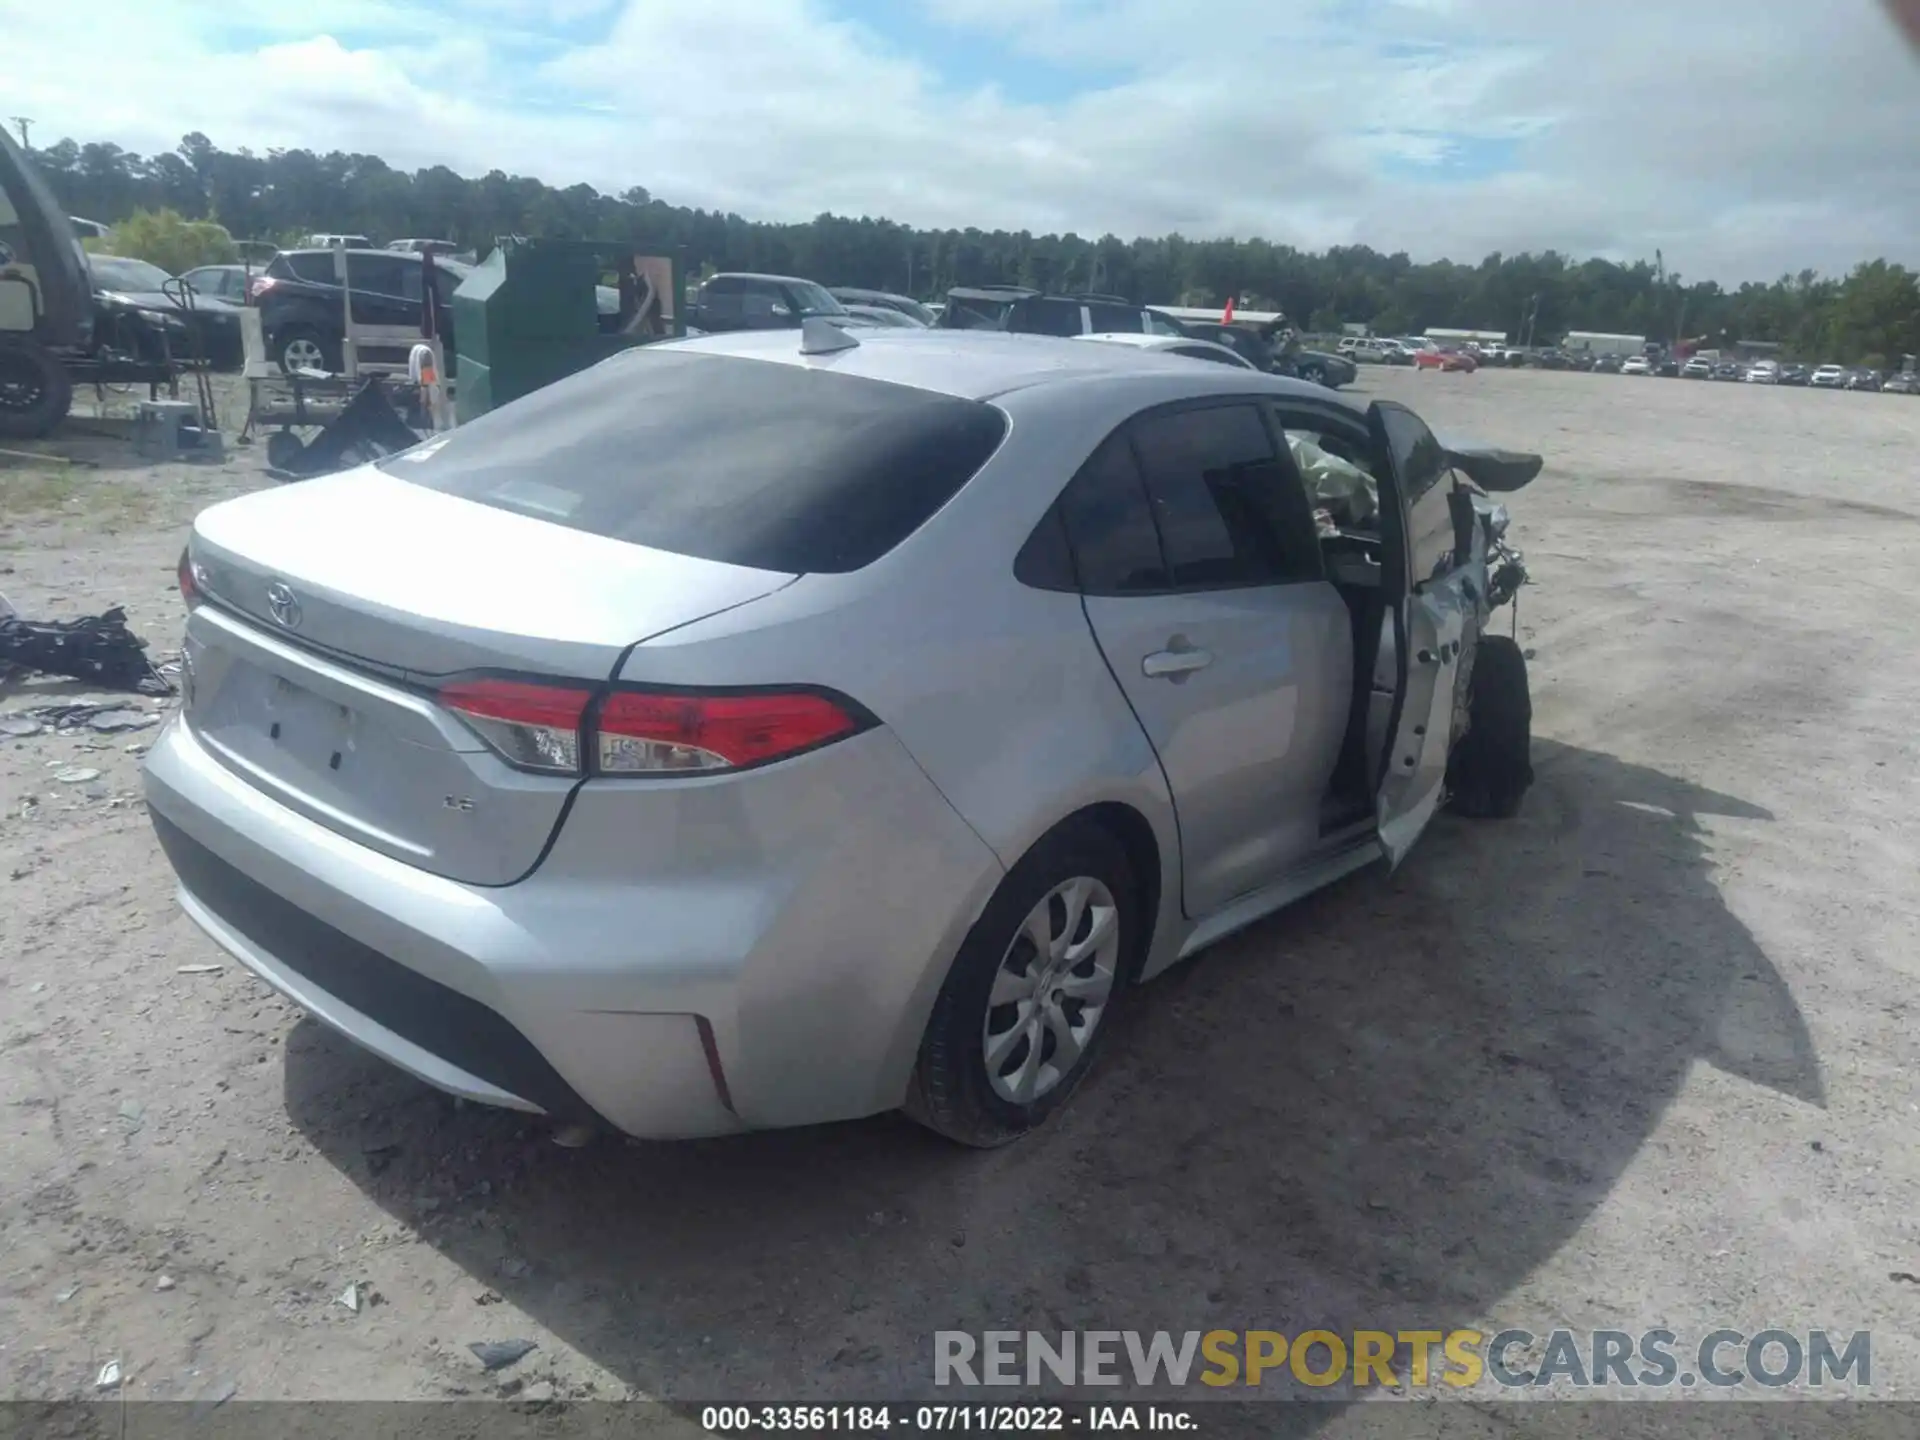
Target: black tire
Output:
{"points": [[288, 336], [1314, 372], [35, 391], [284, 449], [951, 1092], [1489, 771]]}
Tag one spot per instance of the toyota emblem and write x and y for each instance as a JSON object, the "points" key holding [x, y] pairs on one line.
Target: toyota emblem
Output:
{"points": [[284, 604]]}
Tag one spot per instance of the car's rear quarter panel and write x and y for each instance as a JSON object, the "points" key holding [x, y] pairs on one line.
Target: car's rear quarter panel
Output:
{"points": [[996, 689]]}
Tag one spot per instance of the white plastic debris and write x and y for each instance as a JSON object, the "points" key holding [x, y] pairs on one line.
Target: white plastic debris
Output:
{"points": [[165, 1282], [78, 775], [350, 1297], [196, 969], [109, 1376]]}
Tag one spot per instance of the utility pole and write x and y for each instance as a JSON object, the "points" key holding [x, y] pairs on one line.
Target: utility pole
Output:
{"points": [[23, 123]]}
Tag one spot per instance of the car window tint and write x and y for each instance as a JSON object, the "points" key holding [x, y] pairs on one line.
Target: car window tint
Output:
{"points": [[315, 266], [1111, 318], [776, 467], [1230, 511], [1418, 460], [1161, 325], [1054, 317], [1116, 549], [379, 275]]}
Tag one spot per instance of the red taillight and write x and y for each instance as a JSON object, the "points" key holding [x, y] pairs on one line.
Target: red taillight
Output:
{"points": [[647, 732], [189, 580], [532, 726]]}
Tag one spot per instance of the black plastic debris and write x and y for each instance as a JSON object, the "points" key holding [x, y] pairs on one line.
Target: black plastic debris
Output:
{"points": [[99, 649], [368, 427]]}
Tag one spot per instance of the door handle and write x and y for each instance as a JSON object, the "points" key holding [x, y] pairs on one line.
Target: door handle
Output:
{"points": [[1176, 662]]}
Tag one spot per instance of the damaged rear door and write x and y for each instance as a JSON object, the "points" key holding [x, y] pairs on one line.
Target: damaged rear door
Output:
{"points": [[1430, 606]]}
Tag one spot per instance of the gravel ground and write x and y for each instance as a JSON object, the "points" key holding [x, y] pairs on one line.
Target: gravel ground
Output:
{"points": [[1644, 1056]]}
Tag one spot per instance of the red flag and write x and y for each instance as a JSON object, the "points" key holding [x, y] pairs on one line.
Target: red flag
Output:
{"points": [[1226, 316]]}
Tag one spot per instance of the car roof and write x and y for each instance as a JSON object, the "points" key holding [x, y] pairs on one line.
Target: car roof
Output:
{"points": [[1141, 341], [864, 292], [983, 364], [757, 275], [993, 292], [373, 250]]}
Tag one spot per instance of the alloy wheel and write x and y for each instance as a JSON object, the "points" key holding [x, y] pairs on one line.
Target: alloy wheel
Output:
{"points": [[302, 354]]}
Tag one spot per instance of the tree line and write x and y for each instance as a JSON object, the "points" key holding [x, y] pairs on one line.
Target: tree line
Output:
{"points": [[1869, 316]]}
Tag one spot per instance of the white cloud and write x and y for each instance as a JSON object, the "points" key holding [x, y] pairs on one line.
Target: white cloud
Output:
{"points": [[1742, 141]]}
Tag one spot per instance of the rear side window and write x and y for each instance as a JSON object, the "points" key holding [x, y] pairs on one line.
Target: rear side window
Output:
{"points": [[1053, 317], [384, 275], [1111, 319], [1230, 512], [1110, 524], [312, 265], [741, 461], [1417, 456]]}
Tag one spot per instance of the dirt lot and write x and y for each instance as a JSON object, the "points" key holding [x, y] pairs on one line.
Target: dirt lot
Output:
{"points": [[1645, 1056]]}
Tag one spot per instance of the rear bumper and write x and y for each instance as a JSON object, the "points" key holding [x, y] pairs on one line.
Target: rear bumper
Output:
{"points": [[724, 997]]}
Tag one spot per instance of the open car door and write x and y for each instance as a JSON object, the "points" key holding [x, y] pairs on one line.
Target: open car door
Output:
{"points": [[1425, 572]]}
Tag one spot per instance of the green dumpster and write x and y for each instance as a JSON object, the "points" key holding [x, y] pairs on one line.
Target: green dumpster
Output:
{"points": [[535, 311]]}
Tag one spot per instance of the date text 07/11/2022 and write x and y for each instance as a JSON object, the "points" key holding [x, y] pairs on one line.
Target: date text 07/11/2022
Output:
{"points": [[943, 1419]]}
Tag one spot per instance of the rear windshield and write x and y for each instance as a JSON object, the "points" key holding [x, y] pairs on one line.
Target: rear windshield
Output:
{"points": [[747, 462]]}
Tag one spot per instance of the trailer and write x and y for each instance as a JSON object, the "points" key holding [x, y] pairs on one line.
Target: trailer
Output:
{"points": [[46, 302], [1597, 343]]}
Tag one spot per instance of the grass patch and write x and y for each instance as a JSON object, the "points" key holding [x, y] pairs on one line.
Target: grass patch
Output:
{"points": [[69, 494]]}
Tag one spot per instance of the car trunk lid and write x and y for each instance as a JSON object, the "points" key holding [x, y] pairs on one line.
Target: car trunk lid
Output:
{"points": [[339, 608]]}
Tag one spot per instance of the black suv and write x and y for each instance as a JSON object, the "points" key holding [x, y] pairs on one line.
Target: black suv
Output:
{"points": [[1029, 312], [760, 302], [298, 296]]}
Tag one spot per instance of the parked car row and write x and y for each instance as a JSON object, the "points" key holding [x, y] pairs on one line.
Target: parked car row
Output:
{"points": [[1819, 377], [142, 311], [738, 301]]}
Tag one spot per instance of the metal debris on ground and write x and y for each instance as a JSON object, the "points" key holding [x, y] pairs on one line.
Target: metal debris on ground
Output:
{"points": [[498, 1354], [349, 1297], [109, 1376], [109, 718], [19, 726], [196, 969], [78, 775], [111, 722], [165, 1282], [67, 1294]]}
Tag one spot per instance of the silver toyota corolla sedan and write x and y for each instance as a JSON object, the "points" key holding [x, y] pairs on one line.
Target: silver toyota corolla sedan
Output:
{"points": [[788, 726]]}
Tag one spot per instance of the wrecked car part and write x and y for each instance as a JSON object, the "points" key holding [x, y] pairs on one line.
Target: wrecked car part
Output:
{"points": [[367, 428], [97, 648]]}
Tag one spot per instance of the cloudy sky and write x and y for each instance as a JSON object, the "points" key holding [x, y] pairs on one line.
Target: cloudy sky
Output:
{"points": [[1744, 138]]}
